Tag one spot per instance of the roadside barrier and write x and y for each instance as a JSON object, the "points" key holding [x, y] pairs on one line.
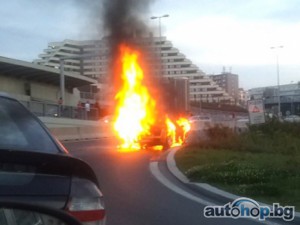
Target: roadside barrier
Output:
{"points": [[81, 133]]}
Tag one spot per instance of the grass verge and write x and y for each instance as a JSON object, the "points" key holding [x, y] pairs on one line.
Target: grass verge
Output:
{"points": [[260, 165]]}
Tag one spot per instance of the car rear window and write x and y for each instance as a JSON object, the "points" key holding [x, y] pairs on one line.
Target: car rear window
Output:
{"points": [[19, 130]]}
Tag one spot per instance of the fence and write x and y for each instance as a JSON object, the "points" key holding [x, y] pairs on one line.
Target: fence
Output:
{"points": [[55, 110], [283, 99]]}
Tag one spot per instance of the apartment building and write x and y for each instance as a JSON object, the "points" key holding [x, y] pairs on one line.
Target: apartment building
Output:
{"points": [[243, 97], [93, 65], [229, 82], [166, 61]]}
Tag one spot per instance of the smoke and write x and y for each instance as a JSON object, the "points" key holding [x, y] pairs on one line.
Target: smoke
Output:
{"points": [[122, 22], [123, 19], [118, 22]]}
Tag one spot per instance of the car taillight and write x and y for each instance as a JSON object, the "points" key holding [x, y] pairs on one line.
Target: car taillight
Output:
{"points": [[90, 211], [86, 202]]}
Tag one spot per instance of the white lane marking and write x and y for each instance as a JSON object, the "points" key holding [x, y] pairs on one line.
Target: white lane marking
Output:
{"points": [[158, 175], [162, 179]]}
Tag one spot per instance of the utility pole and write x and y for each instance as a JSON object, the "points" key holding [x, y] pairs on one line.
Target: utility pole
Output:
{"points": [[278, 79], [160, 41]]}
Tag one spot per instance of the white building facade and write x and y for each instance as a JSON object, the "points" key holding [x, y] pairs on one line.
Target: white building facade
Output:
{"points": [[167, 60], [93, 66], [289, 95]]}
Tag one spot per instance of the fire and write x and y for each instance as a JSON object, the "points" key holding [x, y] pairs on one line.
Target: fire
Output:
{"points": [[171, 128], [185, 126], [135, 106], [136, 109], [177, 131]]}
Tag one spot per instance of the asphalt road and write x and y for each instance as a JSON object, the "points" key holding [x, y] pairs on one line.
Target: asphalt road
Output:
{"points": [[133, 196]]}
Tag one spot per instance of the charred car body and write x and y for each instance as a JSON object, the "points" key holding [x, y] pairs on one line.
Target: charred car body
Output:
{"points": [[174, 102]]}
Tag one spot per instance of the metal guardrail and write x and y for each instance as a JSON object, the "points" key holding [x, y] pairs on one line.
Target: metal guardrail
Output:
{"points": [[283, 99], [55, 110]]}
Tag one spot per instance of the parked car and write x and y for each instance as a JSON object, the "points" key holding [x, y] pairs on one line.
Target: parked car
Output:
{"points": [[292, 118], [36, 168]]}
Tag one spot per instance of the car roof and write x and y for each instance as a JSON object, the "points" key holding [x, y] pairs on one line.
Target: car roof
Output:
{"points": [[59, 146], [6, 95]]}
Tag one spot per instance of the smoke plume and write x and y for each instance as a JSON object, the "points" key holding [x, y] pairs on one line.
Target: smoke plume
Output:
{"points": [[123, 19]]}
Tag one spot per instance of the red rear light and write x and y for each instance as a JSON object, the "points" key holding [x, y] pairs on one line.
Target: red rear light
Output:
{"points": [[89, 216], [86, 202], [89, 210]]}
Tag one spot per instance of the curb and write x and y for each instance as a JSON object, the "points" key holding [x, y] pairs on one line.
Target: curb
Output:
{"points": [[204, 187], [171, 164]]}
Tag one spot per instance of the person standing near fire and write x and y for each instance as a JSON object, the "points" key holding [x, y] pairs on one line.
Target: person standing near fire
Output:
{"points": [[87, 108], [60, 106]]}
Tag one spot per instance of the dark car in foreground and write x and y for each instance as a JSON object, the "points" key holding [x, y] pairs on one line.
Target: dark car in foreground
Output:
{"points": [[36, 168]]}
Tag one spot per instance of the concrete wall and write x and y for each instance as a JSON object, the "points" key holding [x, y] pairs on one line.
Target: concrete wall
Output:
{"points": [[42, 91], [51, 93], [12, 85], [65, 122], [71, 129], [78, 133], [39, 91]]}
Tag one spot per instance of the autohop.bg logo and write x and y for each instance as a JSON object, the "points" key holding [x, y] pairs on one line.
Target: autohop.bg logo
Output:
{"points": [[248, 208]]}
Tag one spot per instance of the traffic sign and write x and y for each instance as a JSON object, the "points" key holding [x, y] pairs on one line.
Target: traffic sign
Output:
{"points": [[256, 111]]}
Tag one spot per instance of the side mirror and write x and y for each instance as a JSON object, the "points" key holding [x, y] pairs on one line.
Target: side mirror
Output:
{"points": [[17, 213]]}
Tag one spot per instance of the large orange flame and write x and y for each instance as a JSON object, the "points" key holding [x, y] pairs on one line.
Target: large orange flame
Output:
{"points": [[185, 127], [135, 107], [177, 131], [171, 130]]}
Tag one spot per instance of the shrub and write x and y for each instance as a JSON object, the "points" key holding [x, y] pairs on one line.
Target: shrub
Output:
{"points": [[273, 136]]}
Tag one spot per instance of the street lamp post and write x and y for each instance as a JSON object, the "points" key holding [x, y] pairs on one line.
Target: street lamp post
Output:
{"points": [[292, 104], [159, 26], [62, 81], [278, 79]]}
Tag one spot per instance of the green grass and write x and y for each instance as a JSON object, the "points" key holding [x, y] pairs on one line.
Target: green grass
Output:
{"points": [[263, 163]]}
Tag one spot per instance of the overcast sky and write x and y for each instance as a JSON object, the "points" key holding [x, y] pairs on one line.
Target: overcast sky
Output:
{"points": [[236, 34]]}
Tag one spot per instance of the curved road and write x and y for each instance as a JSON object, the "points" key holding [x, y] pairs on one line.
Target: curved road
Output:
{"points": [[134, 196]]}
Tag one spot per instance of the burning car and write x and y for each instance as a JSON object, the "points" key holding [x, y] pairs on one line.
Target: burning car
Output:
{"points": [[157, 136], [140, 122], [166, 134]]}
